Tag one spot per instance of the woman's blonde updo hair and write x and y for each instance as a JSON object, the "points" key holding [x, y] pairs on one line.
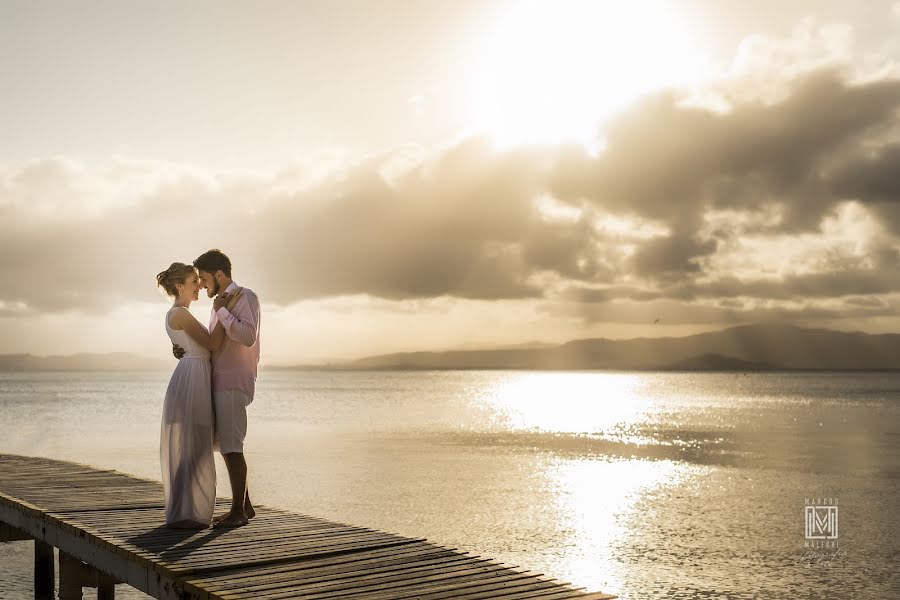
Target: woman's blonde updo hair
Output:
{"points": [[176, 273]]}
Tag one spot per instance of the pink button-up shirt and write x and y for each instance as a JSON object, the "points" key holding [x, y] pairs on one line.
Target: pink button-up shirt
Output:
{"points": [[234, 363]]}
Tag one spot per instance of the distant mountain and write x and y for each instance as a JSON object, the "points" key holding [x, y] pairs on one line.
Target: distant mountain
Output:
{"points": [[115, 361], [532, 344], [749, 347], [717, 362], [745, 348]]}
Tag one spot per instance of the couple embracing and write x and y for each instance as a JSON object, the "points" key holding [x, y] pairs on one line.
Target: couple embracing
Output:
{"points": [[207, 398]]}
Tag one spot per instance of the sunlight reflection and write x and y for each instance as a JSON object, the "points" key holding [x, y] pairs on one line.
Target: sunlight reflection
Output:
{"points": [[569, 402], [596, 499]]}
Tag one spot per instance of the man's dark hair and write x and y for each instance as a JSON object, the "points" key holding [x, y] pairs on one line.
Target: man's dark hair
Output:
{"points": [[212, 261]]}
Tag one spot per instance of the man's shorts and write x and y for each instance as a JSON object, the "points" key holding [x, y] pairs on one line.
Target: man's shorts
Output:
{"points": [[231, 420]]}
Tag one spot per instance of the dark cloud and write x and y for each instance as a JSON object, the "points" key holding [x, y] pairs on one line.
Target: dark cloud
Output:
{"points": [[816, 285], [571, 250], [673, 256], [586, 295], [451, 227], [873, 179], [672, 163], [728, 311]]}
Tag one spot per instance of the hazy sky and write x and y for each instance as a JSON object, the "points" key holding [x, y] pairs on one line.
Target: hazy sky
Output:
{"points": [[425, 175]]}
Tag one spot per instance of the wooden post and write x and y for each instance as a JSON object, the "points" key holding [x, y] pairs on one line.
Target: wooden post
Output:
{"points": [[44, 575], [75, 575], [106, 587], [71, 575]]}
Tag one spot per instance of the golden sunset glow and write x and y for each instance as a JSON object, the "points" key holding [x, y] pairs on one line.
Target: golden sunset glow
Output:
{"points": [[552, 71]]}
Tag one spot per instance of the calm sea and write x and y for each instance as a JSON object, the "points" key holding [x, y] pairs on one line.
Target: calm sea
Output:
{"points": [[643, 485]]}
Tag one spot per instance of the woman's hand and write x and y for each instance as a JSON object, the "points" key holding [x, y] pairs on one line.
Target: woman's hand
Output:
{"points": [[233, 298], [227, 300]]}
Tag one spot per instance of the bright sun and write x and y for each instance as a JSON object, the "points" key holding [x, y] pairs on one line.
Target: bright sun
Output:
{"points": [[552, 71]]}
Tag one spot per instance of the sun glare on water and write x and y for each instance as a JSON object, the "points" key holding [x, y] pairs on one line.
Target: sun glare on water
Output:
{"points": [[590, 403], [553, 71]]}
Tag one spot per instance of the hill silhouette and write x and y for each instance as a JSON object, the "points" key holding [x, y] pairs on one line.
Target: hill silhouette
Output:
{"points": [[747, 347], [717, 362]]}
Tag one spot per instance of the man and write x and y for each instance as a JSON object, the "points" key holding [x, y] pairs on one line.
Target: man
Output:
{"points": [[233, 376]]}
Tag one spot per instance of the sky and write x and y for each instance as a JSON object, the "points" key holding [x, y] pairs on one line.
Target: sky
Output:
{"points": [[420, 175]]}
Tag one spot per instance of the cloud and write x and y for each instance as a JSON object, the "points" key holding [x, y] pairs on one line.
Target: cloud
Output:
{"points": [[871, 178], [675, 164], [765, 67], [727, 311], [452, 227], [679, 208], [669, 162]]}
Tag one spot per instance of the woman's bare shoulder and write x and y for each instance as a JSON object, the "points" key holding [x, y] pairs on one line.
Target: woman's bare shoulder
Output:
{"points": [[177, 316]]}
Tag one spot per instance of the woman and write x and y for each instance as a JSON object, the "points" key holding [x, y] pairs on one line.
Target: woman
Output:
{"points": [[186, 443]]}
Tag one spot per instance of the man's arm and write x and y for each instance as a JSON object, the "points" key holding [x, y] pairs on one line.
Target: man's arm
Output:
{"points": [[242, 325], [217, 330]]}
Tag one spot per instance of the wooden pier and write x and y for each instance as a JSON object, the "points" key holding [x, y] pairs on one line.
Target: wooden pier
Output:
{"points": [[108, 527]]}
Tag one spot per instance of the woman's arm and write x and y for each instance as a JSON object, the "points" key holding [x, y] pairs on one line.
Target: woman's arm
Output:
{"points": [[216, 337], [184, 320]]}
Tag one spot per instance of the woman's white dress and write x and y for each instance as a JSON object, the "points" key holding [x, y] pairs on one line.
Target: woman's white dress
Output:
{"points": [[186, 443]]}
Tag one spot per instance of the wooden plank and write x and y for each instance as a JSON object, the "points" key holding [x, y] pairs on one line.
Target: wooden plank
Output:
{"points": [[167, 538], [297, 578], [295, 571], [350, 561], [406, 588], [521, 587], [262, 547], [138, 522], [484, 588], [261, 553], [142, 516], [291, 553], [361, 580], [543, 593]]}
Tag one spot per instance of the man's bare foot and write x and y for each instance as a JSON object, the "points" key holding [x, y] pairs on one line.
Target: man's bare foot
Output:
{"points": [[233, 517], [249, 510], [232, 520]]}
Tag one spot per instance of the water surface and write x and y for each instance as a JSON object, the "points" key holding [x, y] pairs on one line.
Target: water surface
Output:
{"points": [[644, 485]]}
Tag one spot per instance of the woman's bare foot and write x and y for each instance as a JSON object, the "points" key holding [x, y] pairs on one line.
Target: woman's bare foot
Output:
{"points": [[187, 524]]}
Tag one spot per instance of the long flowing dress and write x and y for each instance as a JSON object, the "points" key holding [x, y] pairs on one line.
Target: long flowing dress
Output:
{"points": [[186, 442]]}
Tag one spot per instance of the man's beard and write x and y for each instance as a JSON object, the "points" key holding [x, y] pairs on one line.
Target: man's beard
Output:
{"points": [[215, 290]]}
